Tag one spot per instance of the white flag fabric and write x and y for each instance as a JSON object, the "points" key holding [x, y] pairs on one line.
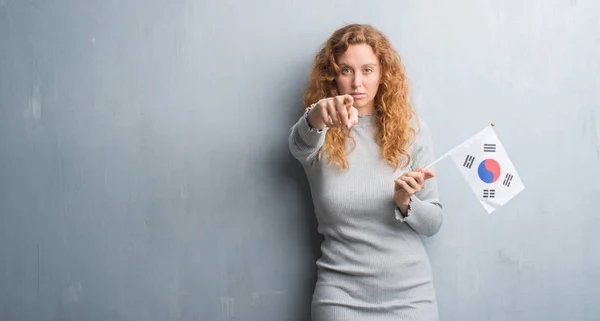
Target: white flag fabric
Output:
{"points": [[487, 168]]}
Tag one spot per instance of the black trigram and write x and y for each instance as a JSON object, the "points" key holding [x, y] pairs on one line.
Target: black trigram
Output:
{"points": [[489, 193], [507, 180], [469, 161], [489, 148]]}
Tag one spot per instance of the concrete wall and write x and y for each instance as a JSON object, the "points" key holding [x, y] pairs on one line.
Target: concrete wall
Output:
{"points": [[144, 170]]}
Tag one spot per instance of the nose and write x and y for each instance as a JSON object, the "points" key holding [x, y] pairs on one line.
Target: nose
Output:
{"points": [[357, 80]]}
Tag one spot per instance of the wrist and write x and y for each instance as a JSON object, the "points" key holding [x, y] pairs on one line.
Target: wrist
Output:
{"points": [[312, 117], [404, 207]]}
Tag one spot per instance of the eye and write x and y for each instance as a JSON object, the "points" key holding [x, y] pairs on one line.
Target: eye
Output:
{"points": [[346, 70], [369, 70]]}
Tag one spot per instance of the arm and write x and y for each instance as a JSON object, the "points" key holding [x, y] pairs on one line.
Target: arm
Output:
{"points": [[425, 210], [305, 141], [307, 136]]}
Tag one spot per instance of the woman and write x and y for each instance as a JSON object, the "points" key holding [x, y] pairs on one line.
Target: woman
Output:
{"points": [[363, 149]]}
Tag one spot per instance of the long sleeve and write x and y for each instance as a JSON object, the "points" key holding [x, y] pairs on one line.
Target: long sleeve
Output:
{"points": [[425, 211], [304, 141]]}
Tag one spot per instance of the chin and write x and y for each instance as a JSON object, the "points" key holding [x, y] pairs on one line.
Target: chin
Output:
{"points": [[362, 104]]}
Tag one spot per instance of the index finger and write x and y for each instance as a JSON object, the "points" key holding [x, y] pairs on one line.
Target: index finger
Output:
{"points": [[342, 111], [348, 101], [428, 173], [417, 175]]}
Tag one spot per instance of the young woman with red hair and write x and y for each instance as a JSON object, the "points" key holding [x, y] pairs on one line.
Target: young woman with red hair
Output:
{"points": [[363, 149]]}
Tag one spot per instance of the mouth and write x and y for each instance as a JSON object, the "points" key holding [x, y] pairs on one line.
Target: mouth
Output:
{"points": [[357, 95]]}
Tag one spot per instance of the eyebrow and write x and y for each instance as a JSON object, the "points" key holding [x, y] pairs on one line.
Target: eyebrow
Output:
{"points": [[365, 65]]}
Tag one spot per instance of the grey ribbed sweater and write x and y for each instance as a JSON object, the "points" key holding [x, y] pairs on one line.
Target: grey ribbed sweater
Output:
{"points": [[373, 265]]}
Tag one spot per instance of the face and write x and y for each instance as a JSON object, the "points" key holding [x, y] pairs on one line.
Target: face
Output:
{"points": [[359, 76]]}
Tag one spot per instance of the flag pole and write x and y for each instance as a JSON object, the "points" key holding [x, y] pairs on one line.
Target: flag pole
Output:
{"points": [[450, 151]]}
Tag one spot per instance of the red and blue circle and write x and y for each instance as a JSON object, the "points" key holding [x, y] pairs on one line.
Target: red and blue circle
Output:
{"points": [[489, 170]]}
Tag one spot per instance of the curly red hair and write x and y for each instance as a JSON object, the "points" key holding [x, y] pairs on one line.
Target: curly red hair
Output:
{"points": [[393, 111]]}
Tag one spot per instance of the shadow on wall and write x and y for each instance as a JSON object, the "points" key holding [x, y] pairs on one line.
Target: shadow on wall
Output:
{"points": [[292, 172], [308, 230]]}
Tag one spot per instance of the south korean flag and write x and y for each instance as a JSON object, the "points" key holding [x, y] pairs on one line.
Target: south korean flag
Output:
{"points": [[487, 168]]}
